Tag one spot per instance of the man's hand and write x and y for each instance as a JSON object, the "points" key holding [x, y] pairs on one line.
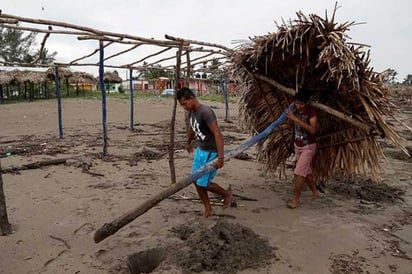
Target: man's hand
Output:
{"points": [[189, 148], [292, 116], [219, 163]]}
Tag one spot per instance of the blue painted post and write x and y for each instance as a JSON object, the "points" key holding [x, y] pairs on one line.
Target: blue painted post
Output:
{"points": [[101, 80], [59, 101], [224, 90], [131, 99]]}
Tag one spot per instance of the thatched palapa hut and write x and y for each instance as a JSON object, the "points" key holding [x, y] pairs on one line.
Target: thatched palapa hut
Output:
{"points": [[83, 79], [29, 76], [313, 53], [79, 77], [63, 73], [111, 77]]}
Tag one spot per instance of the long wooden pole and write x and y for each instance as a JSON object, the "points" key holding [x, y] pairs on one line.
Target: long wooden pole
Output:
{"points": [[111, 228], [87, 29], [320, 106]]}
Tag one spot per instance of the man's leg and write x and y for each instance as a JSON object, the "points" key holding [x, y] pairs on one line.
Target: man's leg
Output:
{"points": [[227, 195], [202, 191], [299, 181], [312, 186]]}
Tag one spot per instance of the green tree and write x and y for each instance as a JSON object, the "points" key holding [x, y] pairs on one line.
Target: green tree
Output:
{"points": [[215, 72], [155, 72], [16, 46], [46, 57], [407, 80], [389, 76]]}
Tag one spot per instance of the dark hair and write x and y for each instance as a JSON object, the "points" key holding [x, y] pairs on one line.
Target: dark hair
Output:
{"points": [[302, 96], [185, 93]]}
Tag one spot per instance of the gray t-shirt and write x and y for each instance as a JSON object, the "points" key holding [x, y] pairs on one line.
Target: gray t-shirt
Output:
{"points": [[199, 121]]}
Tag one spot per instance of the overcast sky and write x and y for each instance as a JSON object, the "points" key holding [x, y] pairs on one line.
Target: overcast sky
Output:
{"points": [[387, 29]]}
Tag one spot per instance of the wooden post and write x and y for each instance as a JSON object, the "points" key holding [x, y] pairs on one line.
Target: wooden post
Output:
{"points": [[77, 88], [188, 71], [5, 227], [46, 91], [25, 90], [1, 94], [19, 90], [187, 122], [66, 80], [131, 99], [31, 91], [8, 91], [173, 120]]}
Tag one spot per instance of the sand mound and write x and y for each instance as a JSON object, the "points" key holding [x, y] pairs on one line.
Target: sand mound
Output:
{"points": [[223, 248], [368, 190]]}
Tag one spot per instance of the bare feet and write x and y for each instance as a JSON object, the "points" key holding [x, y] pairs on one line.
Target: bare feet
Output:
{"points": [[227, 200], [207, 213], [316, 195], [292, 204]]}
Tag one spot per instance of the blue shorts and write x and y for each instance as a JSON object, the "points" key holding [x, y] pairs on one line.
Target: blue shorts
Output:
{"points": [[200, 159]]}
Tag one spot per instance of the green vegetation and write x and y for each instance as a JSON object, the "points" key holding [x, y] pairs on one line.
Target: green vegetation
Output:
{"points": [[15, 46], [154, 72], [218, 98], [40, 94]]}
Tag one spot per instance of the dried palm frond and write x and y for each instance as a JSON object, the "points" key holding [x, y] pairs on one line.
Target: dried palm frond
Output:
{"points": [[313, 53]]}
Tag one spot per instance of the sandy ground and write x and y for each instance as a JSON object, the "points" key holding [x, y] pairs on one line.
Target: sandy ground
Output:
{"points": [[55, 210]]}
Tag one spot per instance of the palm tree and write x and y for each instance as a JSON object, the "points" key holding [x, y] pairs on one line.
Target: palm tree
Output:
{"points": [[46, 57]]}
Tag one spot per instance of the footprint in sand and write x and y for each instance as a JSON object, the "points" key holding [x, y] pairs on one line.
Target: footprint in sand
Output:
{"points": [[103, 255], [84, 229]]}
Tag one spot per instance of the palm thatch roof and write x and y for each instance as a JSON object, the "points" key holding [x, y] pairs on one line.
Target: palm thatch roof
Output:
{"points": [[82, 78], [313, 53], [63, 73], [29, 76], [111, 77], [6, 77]]}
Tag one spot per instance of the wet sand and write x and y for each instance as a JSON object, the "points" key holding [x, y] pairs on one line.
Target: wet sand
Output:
{"points": [[54, 210]]}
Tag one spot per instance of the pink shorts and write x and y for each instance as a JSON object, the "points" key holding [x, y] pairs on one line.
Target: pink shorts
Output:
{"points": [[304, 156]]}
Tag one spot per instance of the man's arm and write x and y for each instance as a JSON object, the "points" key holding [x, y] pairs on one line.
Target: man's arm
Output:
{"points": [[310, 128], [190, 137], [219, 143]]}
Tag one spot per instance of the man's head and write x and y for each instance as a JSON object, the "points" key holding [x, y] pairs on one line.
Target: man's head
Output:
{"points": [[186, 99], [301, 99]]}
